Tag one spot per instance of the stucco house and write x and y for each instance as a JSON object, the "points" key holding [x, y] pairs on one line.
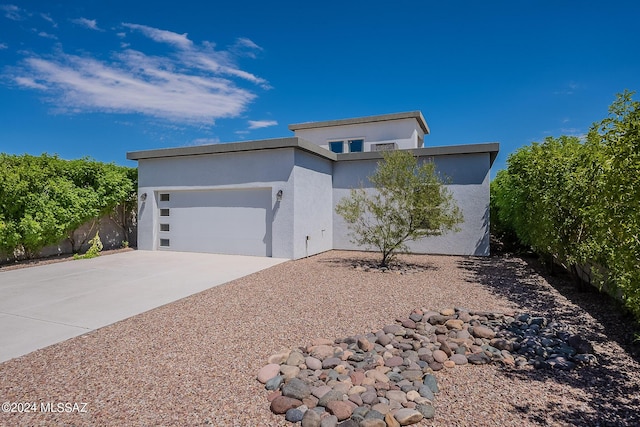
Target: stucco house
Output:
{"points": [[277, 197]]}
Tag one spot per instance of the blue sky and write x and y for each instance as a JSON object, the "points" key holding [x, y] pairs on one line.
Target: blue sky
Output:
{"points": [[94, 78]]}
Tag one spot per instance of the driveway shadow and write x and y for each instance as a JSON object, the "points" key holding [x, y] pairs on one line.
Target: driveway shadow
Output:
{"points": [[610, 389]]}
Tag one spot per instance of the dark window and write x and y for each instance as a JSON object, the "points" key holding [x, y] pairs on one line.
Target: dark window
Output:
{"points": [[164, 212], [164, 227], [164, 197], [164, 242], [337, 146], [356, 145]]}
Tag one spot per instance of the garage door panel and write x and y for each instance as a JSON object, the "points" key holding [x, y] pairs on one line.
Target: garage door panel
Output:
{"points": [[221, 221]]}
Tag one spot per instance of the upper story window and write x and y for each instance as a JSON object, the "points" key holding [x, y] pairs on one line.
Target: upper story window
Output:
{"points": [[336, 146], [352, 146], [356, 145]]}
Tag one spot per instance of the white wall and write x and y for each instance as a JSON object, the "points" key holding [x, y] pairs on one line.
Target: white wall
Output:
{"points": [[404, 132]]}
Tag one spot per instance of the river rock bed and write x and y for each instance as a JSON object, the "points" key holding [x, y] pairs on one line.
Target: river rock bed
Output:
{"points": [[385, 378]]}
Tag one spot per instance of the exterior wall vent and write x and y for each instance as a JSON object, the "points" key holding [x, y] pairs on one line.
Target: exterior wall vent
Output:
{"points": [[388, 146]]}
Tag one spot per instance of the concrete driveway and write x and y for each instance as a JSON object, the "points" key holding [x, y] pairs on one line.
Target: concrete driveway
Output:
{"points": [[40, 306]]}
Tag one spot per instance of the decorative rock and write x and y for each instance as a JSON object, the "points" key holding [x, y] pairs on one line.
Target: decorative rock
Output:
{"points": [[440, 356], [321, 352], [408, 416], [391, 421], [274, 383], [279, 358], [267, 372], [330, 421], [311, 419], [313, 363], [459, 359], [349, 377], [364, 344], [331, 396], [455, 324], [297, 389], [295, 359], [394, 361], [581, 345], [289, 372], [396, 395], [480, 331], [412, 375], [383, 408], [341, 409], [294, 415], [372, 422], [282, 404], [426, 392], [331, 362], [427, 411], [431, 382]]}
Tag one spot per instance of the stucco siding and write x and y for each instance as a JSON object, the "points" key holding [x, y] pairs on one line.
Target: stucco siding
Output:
{"points": [[468, 180], [404, 132], [313, 216], [270, 169]]}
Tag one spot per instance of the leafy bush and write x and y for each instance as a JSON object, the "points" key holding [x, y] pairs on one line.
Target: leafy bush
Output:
{"points": [[577, 202], [43, 199], [94, 250]]}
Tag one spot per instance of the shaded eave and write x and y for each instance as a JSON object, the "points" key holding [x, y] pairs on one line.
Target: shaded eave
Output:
{"points": [[360, 120], [298, 143]]}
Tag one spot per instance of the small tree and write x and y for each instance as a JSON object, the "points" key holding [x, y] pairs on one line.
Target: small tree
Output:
{"points": [[410, 202]]}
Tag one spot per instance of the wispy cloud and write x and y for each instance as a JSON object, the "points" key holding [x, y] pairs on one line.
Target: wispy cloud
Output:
{"points": [[259, 124], [47, 35], [190, 84], [49, 19], [205, 141], [30, 83], [569, 89], [12, 12], [90, 24], [162, 36], [4, 46]]}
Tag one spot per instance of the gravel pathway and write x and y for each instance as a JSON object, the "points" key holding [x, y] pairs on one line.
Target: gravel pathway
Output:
{"points": [[194, 362]]}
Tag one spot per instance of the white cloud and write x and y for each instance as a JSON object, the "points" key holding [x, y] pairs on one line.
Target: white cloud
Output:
{"points": [[205, 141], [189, 84], [178, 40], [49, 19], [47, 35], [12, 12], [29, 83], [91, 24], [4, 46], [259, 124]]}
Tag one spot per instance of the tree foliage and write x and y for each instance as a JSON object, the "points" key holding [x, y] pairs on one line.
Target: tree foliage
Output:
{"points": [[410, 202], [43, 199], [578, 202]]}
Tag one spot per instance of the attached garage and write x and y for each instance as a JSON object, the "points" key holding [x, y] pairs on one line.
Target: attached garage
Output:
{"points": [[225, 221]]}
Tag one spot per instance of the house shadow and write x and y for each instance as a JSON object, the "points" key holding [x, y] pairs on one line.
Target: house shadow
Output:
{"points": [[611, 388]]}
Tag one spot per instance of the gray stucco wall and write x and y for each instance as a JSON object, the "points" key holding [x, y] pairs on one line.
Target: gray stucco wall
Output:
{"points": [[313, 216], [255, 169], [468, 176]]}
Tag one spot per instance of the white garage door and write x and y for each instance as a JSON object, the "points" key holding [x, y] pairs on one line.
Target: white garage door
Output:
{"points": [[220, 221]]}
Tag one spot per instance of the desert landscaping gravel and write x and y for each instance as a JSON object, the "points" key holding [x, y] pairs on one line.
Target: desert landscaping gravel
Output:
{"points": [[194, 362]]}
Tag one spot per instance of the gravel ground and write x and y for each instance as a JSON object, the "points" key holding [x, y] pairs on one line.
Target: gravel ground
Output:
{"points": [[194, 362]]}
